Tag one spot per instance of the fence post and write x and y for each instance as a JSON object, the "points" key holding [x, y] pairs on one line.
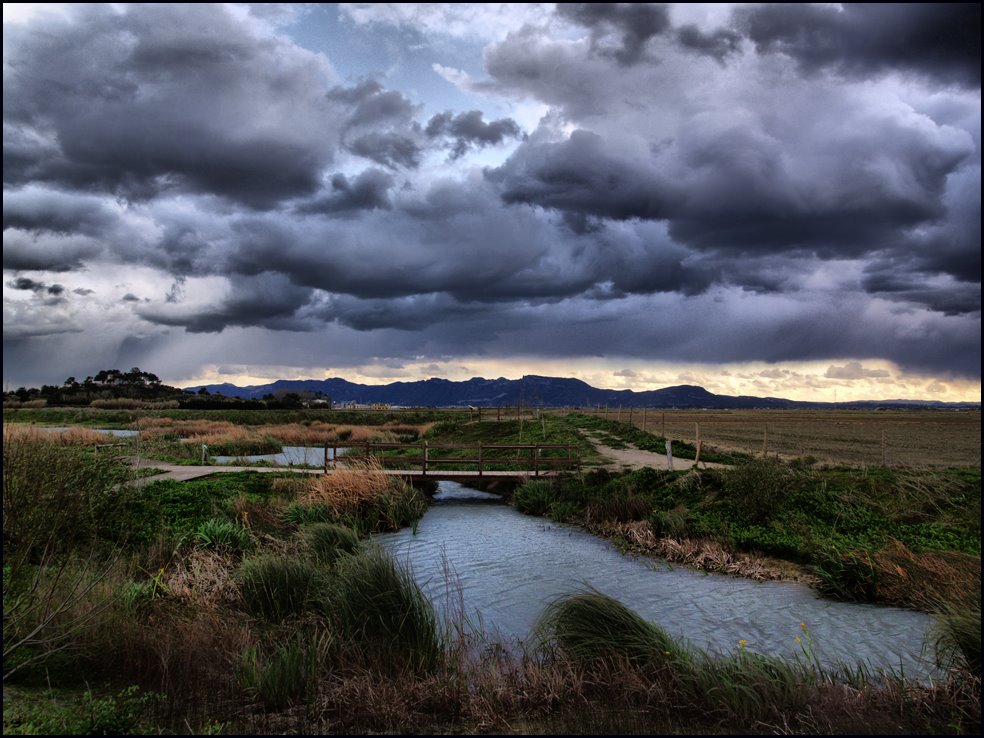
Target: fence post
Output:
{"points": [[536, 461], [669, 455], [479, 458], [326, 457], [424, 472], [204, 453]]}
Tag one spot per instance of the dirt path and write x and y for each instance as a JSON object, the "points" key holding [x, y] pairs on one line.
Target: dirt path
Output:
{"points": [[634, 458]]}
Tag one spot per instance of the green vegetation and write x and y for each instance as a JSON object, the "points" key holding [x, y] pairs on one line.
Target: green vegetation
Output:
{"points": [[278, 587], [247, 603], [327, 543], [590, 627], [379, 606], [858, 529]]}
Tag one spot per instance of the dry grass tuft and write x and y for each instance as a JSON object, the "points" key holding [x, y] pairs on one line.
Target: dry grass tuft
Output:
{"points": [[204, 579], [702, 554], [76, 436], [343, 491], [926, 578]]}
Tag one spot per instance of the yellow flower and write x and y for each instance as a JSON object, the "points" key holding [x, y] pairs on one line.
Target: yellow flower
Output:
{"points": [[803, 626], [742, 643], [798, 639]]}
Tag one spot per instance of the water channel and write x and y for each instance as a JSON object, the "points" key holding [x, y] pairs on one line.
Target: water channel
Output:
{"points": [[508, 566], [288, 456]]}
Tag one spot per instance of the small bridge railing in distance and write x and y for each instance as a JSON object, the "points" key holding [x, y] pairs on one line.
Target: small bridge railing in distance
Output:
{"points": [[529, 458]]}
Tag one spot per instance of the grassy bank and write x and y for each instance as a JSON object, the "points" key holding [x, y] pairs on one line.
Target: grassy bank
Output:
{"points": [[897, 536], [248, 603]]}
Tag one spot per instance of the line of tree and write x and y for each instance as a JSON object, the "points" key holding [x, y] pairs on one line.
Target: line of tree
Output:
{"points": [[114, 384]]}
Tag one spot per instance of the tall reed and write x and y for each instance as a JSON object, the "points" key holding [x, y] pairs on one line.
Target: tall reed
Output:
{"points": [[380, 607]]}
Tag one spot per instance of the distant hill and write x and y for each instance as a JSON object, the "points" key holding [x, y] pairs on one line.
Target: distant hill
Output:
{"points": [[534, 391]]}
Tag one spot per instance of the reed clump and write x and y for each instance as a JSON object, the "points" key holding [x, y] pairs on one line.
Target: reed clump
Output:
{"points": [[279, 587], [379, 606], [327, 543], [588, 627], [348, 488]]}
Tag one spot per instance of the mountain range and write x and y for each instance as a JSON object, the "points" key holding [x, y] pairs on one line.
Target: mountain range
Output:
{"points": [[535, 391]]}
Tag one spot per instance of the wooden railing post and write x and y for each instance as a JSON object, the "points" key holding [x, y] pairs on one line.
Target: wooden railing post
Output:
{"points": [[536, 461], [424, 462], [479, 458]]}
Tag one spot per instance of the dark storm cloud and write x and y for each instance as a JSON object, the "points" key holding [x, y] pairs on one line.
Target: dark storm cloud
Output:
{"points": [[468, 129], [912, 286], [267, 300], [368, 191], [36, 210], [584, 175], [380, 125], [24, 251], [411, 313], [685, 197], [47, 294], [372, 104], [742, 190], [620, 30], [719, 44], [938, 40], [391, 149], [137, 101]]}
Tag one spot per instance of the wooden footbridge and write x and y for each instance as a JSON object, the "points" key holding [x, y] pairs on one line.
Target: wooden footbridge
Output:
{"points": [[458, 461]]}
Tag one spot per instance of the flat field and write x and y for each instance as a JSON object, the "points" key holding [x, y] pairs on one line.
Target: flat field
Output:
{"points": [[919, 438]]}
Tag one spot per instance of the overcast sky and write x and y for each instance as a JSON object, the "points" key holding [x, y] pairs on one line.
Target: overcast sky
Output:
{"points": [[770, 199]]}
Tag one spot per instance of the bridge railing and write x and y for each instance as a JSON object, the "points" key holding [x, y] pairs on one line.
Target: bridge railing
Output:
{"points": [[431, 457]]}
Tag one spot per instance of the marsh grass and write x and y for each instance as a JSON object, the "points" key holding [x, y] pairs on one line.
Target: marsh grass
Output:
{"points": [[347, 488], [897, 575], [279, 587], [74, 436], [956, 639], [284, 673], [361, 497], [380, 607], [588, 627], [327, 543]]}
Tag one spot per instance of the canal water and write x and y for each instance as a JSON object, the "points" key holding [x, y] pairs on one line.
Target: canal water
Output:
{"points": [[507, 566], [288, 456]]}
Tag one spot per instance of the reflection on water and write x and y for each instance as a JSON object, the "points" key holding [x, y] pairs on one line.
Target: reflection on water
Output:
{"points": [[509, 566], [289, 456], [116, 432]]}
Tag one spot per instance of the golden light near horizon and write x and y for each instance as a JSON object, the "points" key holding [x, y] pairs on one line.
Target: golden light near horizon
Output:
{"points": [[816, 381]]}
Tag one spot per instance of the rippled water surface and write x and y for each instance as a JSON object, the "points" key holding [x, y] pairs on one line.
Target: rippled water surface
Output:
{"points": [[289, 456], [510, 566]]}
